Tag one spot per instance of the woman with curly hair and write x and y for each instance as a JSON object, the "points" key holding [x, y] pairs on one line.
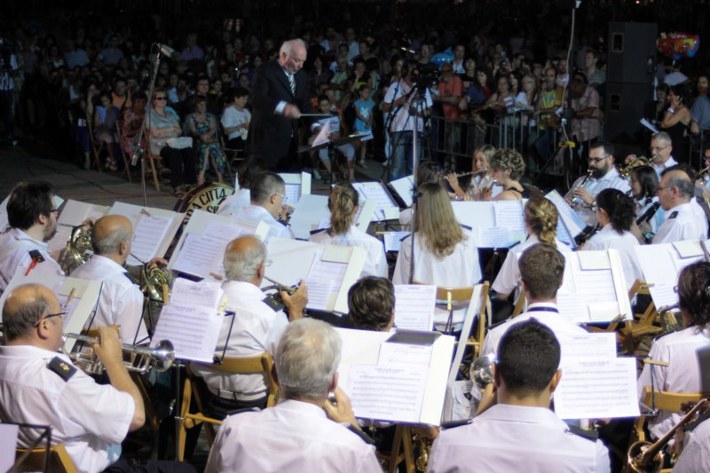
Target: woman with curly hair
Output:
{"points": [[615, 214], [444, 253], [681, 371], [507, 166], [540, 217], [343, 203]]}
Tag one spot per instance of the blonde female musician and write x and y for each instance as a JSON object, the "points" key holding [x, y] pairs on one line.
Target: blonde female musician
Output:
{"points": [[507, 166], [444, 253], [615, 214], [343, 204], [481, 186], [541, 226]]}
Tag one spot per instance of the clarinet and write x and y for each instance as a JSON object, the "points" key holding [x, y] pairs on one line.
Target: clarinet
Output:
{"points": [[645, 217]]}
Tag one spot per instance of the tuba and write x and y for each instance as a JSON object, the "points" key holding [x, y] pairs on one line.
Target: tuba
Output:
{"points": [[78, 249]]}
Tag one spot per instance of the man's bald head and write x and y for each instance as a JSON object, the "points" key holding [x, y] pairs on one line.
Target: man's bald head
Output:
{"points": [[676, 188], [24, 307], [110, 232], [243, 257], [292, 55]]}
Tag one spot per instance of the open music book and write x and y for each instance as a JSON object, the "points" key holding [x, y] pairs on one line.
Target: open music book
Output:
{"points": [[494, 224], [395, 376], [329, 271], [414, 306], [402, 189], [312, 213], [73, 213], [200, 250], [153, 230], [386, 208], [297, 185], [570, 224]]}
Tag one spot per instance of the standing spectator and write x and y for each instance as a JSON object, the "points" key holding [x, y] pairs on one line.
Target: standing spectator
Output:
{"points": [[364, 117], [8, 71], [105, 118], [586, 124], [132, 119], [676, 121]]}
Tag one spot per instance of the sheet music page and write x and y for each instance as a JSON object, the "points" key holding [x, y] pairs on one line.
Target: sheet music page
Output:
{"points": [[68, 306], [405, 354], [60, 239], [293, 193], [495, 237], [376, 192], [392, 393], [593, 261], [403, 188], [322, 136], [199, 255], [572, 307], [325, 277], [324, 223], [393, 240], [688, 248], [589, 346], [509, 215], [597, 389], [563, 234], [9, 432], [148, 235], [571, 220], [657, 263], [648, 125], [663, 294], [414, 306], [191, 320]]}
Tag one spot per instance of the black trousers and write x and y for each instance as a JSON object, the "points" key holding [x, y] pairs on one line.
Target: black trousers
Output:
{"points": [[182, 164]]}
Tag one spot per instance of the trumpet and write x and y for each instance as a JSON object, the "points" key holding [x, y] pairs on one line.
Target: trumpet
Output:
{"points": [[633, 162], [576, 200], [140, 360]]}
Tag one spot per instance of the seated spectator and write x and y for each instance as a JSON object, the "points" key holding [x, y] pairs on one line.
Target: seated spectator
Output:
{"points": [[105, 118], [132, 118], [203, 127], [164, 125], [236, 118]]}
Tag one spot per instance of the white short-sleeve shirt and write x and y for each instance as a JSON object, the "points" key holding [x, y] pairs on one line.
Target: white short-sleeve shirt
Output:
{"points": [[376, 262]]}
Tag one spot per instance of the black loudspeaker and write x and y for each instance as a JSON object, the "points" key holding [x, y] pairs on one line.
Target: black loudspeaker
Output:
{"points": [[625, 105], [632, 52]]}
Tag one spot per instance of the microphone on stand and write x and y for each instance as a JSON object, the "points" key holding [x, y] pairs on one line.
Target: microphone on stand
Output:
{"points": [[167, 50]]}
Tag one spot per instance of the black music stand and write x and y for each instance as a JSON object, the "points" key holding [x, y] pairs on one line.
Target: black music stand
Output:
{"points": [[46, 435]]}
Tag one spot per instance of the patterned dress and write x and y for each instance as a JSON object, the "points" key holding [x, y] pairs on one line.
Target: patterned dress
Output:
{"points": [[207, 149]]}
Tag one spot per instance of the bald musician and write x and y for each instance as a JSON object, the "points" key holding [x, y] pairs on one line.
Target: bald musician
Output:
{"points": [[256, 329], [685, 219], [40, 386], [520, 432], [121, 300], [33, 220]]}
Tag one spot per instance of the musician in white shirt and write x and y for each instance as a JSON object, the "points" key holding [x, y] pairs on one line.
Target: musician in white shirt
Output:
{"points": [[615, 213], [344, 205], [268, 203], [685, 220], [661, 148]]}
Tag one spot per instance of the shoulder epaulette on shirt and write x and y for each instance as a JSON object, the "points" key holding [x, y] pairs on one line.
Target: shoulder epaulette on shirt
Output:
{"points": [[673, 214], [36, 256], [62, 368], [131, 278], [452, 424], [592, 435], [365, 438], [320, 230]]}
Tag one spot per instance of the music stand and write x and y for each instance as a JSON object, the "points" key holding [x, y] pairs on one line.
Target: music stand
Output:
{"points": [[46, 436]]}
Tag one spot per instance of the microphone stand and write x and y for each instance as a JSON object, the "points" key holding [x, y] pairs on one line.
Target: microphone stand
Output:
{"points": [[139, 151], [416, 103]]}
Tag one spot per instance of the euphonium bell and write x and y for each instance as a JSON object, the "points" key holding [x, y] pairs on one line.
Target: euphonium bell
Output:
{"points": [[156, 282], [78, 249]]}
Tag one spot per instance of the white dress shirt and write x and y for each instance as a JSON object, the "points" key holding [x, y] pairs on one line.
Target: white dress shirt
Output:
{"points": [[660, 167], [545, 313], [682, 375], [15, 247], [683, 222], [610, 180], [508, 278], [695, 457], [608, 238], [403, 120], [511, 439], [658, 217], [292, 437], [234, 203], [120, 302], [256, 213], [376, 261], [90, 419], [459, 269], [256, 329]]}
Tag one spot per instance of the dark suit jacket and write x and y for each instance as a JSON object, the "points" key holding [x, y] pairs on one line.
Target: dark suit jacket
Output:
{"points": [[273, 137]]}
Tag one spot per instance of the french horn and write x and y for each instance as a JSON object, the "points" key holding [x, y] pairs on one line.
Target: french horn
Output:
{"points": [[79, 248]]}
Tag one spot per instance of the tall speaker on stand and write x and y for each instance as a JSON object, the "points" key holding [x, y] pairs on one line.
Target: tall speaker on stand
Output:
{"points": [[631, 69]]}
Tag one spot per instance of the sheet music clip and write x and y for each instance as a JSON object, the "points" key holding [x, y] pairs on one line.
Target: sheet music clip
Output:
{"points": [[145, 212]]}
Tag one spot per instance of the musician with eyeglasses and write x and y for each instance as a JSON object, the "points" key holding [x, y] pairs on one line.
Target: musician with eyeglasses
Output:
{"points": [[685, 219], [602, 174], [661, 149], [520, 432], [121, 300], [268, 204], [40, 386], [32, 217]]}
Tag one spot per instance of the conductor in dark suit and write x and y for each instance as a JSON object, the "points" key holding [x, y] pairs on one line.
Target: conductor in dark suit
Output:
{"points": [[280, 96]]}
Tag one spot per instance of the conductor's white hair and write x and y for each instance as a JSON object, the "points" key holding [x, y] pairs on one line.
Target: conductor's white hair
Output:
{"points": [[288, 45], [307, 358]]}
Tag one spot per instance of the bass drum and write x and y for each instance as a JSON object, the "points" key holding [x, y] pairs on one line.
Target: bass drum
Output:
{"points": [[206, 197]]}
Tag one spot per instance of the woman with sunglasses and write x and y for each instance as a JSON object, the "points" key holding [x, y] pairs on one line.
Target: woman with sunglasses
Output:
{"points": [[163, 127]]}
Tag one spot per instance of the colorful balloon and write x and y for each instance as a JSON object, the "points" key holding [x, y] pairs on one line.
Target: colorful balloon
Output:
{"points": [[677, 45]]}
